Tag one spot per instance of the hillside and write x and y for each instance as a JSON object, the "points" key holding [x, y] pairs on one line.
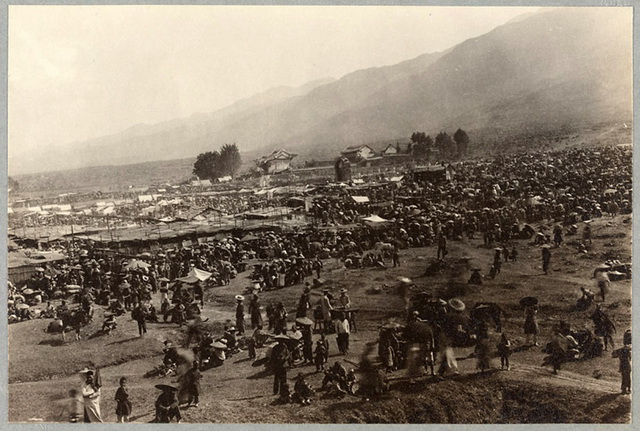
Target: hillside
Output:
{"points": [[558, 70]]}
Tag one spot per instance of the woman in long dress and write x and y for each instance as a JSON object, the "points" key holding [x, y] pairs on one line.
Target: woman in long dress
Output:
{"points": [[91, 397]]}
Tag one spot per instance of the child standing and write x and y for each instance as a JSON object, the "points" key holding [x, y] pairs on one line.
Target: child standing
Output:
{"points": [[504, 349], [123, 405], [319, 356]]}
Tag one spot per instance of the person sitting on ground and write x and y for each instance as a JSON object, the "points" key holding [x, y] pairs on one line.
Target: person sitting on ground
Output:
{"points": [[337, 376], [302, 391], [476, 277], [109, 323]]}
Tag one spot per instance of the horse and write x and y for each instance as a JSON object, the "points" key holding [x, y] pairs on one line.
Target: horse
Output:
{"points": [[74, 319], [484, 312]]}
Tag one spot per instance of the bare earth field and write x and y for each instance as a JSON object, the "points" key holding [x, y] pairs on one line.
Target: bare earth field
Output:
{"points": [[42, 369]]}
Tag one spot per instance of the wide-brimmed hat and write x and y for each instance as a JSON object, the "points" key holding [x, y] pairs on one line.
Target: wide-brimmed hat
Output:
{"points": [[281, 337], [343, 290], [456, 304], [240, 297], [86, 370], [304, 321], [167, 388], [218, 345], [295, 336], [406, 280]]}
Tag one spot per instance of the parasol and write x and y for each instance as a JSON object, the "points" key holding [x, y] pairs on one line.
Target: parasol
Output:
{"points": [[167, 388], [529, 301]]}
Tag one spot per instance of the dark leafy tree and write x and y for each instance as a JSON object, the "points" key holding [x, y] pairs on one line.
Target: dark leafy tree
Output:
{"points": [[446, 146], [462, 140], [423, 148], [230, 160], [208, 165]]}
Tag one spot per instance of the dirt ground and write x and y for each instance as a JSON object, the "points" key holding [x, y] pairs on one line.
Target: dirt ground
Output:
{"points": [[42, 368]]}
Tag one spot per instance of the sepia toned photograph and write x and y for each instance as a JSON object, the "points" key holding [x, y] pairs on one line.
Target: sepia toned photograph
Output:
{"points": [[319, 214]]}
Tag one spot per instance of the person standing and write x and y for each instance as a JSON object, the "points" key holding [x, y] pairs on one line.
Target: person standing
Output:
{"points": [[531, 324], [442, 246], [624, 357], [395, 256], [342, 331], [192, 382], [240, 314], [319, 356], [325, 302], [140, 315], [546, 259], [280, 319], [304, 303], [345, 301], [280, 358], [603, 282], [91, 395], [198, 293], [255, 311], [504, 350], [123, 405]]}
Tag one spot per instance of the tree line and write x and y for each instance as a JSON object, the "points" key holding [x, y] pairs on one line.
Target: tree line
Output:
{"points": [[216, 164], [448, 147]]}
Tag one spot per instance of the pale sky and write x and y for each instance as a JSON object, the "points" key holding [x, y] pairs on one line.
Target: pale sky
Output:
{"points": [[78, 72]]}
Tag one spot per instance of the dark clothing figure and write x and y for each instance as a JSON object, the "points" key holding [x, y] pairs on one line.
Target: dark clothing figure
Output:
{"points": [[624, 356], [123, 405], [192, 382], [167, 408], [140, 315], [255, 313], [240, 317], [504, 350], [546, 260], [442, 246], [319, 356], [280, 356]]}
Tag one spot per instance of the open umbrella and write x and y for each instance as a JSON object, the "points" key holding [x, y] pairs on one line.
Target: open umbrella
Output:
{"points": [[529, 301]]}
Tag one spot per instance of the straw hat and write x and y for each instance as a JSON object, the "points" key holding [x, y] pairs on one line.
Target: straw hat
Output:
{"points": [[456, 304]]}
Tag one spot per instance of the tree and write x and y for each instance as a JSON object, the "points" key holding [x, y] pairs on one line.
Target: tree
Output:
{"points": [[207, 165], [423, 147], [213, 164], [230, 159], [446, 146], [462, 140], [14, 186]]}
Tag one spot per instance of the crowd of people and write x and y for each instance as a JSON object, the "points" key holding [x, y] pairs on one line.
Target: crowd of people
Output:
{"points": [[498, 201]]}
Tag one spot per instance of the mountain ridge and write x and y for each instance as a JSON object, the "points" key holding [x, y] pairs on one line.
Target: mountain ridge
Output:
{"points": [[551, 69]]}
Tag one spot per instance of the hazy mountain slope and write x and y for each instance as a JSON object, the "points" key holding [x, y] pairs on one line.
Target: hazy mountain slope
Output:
{"points": [[552, 69], [564, 67]]}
